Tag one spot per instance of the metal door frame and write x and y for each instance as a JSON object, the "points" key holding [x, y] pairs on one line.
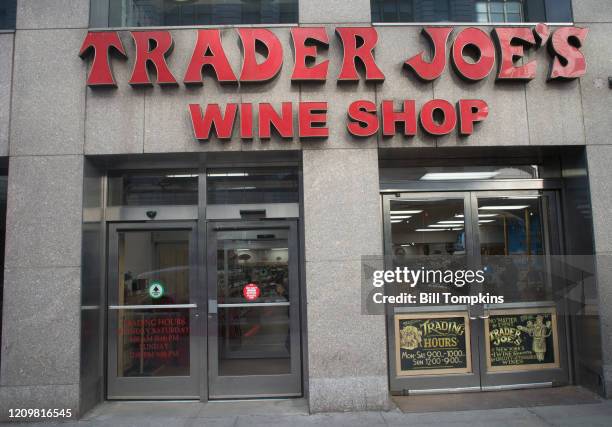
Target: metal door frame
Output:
{"points": [[254, 386], [430, 383], [471, 191], [131, 388], [554, 244]]}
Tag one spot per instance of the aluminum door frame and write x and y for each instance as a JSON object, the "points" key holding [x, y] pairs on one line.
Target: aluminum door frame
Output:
{"points": [[132, 388], [493, 380], [553, 246], [254, 386], [438, 382]]}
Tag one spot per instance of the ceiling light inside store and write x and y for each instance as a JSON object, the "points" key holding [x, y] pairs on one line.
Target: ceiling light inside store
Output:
{"points": [[480, 215], [522, 197], [441, 176], [450, 222], [401, 217], [445, 226], [484, 221], [225, 175], [405, 212], [503, 208], [440, 229], [182, 176]]}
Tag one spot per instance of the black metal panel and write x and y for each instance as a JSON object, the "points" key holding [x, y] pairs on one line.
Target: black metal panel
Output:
{"points": [[8, 11], [579, 240], [92, 292]]}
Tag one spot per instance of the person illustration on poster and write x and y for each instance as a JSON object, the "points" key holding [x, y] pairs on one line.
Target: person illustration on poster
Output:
{"points": [[539, 332]]}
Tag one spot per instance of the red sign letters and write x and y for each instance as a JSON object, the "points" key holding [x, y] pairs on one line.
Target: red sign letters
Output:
{"points": [[472, 53]]}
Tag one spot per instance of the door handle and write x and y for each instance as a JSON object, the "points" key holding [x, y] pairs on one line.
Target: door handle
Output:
{"points": [[212, 306]]}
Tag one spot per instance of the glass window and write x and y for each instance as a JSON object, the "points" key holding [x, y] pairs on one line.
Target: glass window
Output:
{"points": [[253, 340], [499, 11], [7, 14], [250, 185], [429, 233], [146, 13], [153, 271], [512, 235], [153, 188], [442, 10], [485, 11]]}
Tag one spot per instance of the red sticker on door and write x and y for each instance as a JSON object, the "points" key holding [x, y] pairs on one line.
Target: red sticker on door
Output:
{"points": [[251, 292]]}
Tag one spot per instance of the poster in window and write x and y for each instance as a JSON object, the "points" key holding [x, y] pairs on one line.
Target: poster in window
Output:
{"points": [[522, 339], [432, 343]]}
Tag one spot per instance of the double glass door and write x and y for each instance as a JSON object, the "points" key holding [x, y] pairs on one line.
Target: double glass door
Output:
{"points": [[460, 334], [193, 324]]}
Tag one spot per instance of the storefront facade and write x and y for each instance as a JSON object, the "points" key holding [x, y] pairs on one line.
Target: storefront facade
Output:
{"points": [[189, 208]]}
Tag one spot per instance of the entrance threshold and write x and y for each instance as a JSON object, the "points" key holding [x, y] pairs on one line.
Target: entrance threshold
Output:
{"points": [[194, 409], [496, 399]]}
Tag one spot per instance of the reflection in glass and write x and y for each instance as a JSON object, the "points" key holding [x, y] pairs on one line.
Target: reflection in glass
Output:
{"points": [[153, 341], [253, 340], [513, 245], [146, 13], [427, 227], [429, 234], [153, 188], [471, 11], [252, 185], [153, 256]]}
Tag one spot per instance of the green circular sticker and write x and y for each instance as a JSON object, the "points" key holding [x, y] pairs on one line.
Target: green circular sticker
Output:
{"points": [[156, 289]]}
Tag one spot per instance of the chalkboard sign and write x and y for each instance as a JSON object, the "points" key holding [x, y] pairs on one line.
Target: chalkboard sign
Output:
{"points": [[522, 339], [432, 343]]}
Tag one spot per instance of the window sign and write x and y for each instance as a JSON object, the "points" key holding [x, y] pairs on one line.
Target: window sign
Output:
{"points": [[522, 339], [156, 289], [432, 343]]}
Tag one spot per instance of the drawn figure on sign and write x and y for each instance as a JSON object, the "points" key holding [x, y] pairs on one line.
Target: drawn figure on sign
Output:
{"points": [[539, 331], [410, 337]]}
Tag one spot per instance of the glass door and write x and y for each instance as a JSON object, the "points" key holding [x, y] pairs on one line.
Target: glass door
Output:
{"points": [[434, 345], [153, 312], [253, 310], [518, 241], [512, 238]]}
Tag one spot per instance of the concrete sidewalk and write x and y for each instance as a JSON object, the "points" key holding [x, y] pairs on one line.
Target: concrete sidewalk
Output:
{"points": [[272, 414]]}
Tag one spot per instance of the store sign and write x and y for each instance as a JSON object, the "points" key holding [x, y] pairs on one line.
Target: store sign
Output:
{"points": [[156, 289], [154, 343], [505, 46], [522, 339], [251, 292], [432, 343]]}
